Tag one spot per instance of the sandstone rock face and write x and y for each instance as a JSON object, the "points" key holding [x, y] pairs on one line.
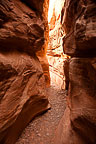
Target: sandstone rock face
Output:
{"points": [[35, 5], [79, 23], [55, 47], [79, 121], [20, 28], [45, 66], [22, 83], [42, 53], [55, 56], [78, 124]]}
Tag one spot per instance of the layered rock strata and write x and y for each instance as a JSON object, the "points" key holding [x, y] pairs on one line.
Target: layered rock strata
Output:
{"points": [[42, 53], [22, 82], [55, 54], [78, 125]]}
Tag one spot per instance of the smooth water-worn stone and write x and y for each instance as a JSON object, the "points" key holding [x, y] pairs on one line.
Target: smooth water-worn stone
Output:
{"points": [[22, 82], [79, 22], [79, 121]]}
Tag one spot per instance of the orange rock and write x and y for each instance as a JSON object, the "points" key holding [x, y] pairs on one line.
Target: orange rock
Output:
{"points": [[22, 82]]}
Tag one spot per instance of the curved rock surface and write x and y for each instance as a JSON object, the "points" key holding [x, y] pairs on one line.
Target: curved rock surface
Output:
{"points": [[79, 121], [20, 28], [45, 67], [55, 53], [22, 83], [78, 125], [79, 22]]}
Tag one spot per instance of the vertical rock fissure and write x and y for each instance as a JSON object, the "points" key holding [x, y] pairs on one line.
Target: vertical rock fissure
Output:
{"points": [[55, 54]]}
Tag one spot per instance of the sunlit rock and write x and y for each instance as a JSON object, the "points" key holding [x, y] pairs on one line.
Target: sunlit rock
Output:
{"points": [[55, 53]]}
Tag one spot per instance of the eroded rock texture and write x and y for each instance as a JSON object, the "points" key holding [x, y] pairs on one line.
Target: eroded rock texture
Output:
{"points": [[79, 23], [42, 53], [55, 53], [78, 125], [22, 83]]}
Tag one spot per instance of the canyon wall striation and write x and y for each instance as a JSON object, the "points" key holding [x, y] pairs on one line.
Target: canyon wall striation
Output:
{"points": [[55, 53], [78, 125], [22, 82]]}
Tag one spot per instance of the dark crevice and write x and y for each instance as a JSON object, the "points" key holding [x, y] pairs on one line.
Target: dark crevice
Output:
{"points": [[30, 6]]}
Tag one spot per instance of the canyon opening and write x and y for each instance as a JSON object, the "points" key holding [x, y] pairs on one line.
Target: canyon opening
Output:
{"points": [[55, 53]]}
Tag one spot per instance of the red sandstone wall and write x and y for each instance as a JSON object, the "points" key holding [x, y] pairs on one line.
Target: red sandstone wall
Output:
{"points": [[78, 125], [22, 82]]}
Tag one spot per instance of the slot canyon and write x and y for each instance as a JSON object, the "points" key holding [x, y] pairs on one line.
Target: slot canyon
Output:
{"points": [[47, 72]]}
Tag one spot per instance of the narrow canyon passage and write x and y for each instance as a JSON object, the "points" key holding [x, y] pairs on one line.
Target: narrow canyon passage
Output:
{"points": [[47, 71], [29, 89], [55, 53], [43, 128]]}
